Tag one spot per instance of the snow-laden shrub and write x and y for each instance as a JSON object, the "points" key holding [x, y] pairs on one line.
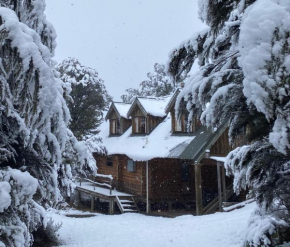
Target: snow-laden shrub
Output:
{"points": [[262, 225], [20, 214], [48, 234]]}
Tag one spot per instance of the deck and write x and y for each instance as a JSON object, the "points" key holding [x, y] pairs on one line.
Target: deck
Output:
{"points": [[99, 191], [124, 201]]}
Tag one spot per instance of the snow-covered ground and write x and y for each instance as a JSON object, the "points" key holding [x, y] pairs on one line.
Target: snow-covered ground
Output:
{"points": [[219, 229]]}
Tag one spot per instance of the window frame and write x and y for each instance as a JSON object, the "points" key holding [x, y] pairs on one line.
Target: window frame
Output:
{"points": [[138, 121], [115, 126], [131, 167], [180, 125], [110, 161]]}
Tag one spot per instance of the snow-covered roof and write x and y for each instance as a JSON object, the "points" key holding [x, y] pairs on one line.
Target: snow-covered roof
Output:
{"points": [[159, 144], [152, 106], [120, 108]]}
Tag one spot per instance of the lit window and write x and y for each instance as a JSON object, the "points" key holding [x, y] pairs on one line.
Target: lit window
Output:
{"points": [[131, 166]]}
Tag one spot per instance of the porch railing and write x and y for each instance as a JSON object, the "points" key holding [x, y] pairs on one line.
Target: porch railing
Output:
{"points": [[106, 181]]}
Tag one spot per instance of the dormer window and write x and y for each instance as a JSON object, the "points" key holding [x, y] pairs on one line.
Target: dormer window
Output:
{"points": [[115, 127], [117, 115], [139, 125], [181, 125]]}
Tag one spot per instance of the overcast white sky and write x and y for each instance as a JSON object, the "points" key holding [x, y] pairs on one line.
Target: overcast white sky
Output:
{"points": [[121, 39]]}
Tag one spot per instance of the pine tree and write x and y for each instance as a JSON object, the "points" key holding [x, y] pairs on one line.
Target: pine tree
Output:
{"points": [[158, 84], [34, 140], [244, 79], [88, 97]]}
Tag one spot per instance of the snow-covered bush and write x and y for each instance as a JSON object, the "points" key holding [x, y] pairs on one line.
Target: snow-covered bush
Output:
{"points": [[244, 79], [262, 226]]}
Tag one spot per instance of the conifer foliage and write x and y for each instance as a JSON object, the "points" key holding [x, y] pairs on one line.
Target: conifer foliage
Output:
{"points": [[88, 97], [244, 79], [158, 84], [34, 140]]}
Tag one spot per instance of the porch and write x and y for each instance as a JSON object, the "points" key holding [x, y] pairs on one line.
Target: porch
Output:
{"points": [[106, 193]]}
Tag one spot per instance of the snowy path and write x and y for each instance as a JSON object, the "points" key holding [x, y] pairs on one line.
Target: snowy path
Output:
{"points": [[218, 230]]}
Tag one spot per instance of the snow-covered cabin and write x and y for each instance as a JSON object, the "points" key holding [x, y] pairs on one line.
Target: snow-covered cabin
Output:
{"points": [[162, 164]]}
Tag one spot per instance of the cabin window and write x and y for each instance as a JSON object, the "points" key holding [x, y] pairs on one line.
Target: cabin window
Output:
{"points": [[185, 172], [181, 125], [115, 127], [110, 160], [139, 125], [131, 166]]}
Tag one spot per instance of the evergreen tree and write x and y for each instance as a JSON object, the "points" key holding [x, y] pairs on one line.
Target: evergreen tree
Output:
{"points": [[244, 79], [158, 84], [88, 97], [35, 145]]}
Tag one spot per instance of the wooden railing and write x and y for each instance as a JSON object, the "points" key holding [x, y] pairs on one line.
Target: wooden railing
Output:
{"points": [[214, 204], [107, 184]]}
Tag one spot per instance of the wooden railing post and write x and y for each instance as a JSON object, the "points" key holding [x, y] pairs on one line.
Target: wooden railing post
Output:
{"points": [[219, 187], [110, 186], [198, 189]]}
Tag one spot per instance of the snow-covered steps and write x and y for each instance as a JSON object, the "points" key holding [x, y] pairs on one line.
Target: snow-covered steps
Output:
{"points": [[126, 204]]}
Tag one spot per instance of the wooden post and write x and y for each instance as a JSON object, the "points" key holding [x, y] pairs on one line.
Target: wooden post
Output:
{"points": [[219, 187], [111, 187], [198, 189], [148, 208], [224, 182], [111, 206], [92, 203]]}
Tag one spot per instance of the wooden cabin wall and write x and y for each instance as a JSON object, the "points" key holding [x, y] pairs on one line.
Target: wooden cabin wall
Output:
{"points": [[209, 181], [152, 122], [130, 182], [103, 168], [125, 124], [221, 146], [166, 180], [137, 112]]}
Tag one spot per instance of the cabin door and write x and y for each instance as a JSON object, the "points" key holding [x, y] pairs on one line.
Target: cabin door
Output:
{"points": [[185, 178]]}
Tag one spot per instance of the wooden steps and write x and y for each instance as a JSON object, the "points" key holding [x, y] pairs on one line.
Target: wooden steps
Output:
{"points": [[213, 206], [126, 204]]}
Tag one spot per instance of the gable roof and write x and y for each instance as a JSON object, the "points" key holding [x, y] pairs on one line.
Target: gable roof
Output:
{"points": [[120, 108], [150, 106]]}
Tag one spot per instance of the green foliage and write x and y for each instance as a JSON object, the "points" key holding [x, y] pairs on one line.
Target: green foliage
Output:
{"points": [[87, 98]]}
